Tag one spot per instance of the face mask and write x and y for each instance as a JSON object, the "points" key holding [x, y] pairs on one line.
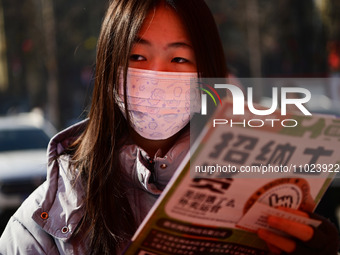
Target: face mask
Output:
{"points": [[158, 102]]}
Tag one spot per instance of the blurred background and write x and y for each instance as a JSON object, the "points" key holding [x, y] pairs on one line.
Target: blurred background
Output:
{"points": [[47, 48], [47, 54]]}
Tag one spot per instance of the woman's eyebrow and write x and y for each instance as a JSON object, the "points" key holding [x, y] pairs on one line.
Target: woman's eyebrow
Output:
{"points": [[178, 44], [140, 40]]}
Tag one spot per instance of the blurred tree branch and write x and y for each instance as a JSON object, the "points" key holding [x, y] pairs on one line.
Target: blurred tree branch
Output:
{"points": [[49, 29], [3, 57]]}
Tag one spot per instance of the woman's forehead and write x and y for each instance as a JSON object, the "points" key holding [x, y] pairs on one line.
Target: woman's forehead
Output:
{"points": [[163, 24]]}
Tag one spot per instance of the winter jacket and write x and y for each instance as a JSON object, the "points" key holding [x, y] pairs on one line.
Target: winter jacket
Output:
{"points": [[46, 221]]}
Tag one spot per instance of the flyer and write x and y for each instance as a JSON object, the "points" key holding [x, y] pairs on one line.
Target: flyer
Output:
{"points": [[233, 179]]}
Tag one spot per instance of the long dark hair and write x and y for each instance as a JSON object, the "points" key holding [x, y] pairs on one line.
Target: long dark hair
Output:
{"points": [[108, 217]]}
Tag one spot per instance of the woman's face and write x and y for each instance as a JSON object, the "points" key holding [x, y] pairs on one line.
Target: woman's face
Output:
{"points": [[162, 44]]}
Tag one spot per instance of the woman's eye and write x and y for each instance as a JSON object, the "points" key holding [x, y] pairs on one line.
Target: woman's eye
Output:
{"points": [[179, 60], [136, 57]]}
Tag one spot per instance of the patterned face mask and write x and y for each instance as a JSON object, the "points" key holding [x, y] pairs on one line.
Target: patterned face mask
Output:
{"points": [[158, 102]]}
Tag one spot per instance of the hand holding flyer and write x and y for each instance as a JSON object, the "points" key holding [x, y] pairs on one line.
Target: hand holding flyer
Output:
{"points": [[257, 217]]}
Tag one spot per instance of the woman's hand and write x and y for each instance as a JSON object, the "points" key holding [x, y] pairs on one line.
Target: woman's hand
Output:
{"points": [[303, 239]]}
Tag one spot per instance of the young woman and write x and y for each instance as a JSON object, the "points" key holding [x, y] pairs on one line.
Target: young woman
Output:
{"points": [[105, 173]]}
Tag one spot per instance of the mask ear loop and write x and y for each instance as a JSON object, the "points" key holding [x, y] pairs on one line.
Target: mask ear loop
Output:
{"points": [[121, 90], [127, 114], [195, 96]]}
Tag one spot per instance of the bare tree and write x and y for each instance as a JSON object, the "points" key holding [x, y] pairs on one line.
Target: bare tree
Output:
{"points": [[49, 29], [3, 58]]}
